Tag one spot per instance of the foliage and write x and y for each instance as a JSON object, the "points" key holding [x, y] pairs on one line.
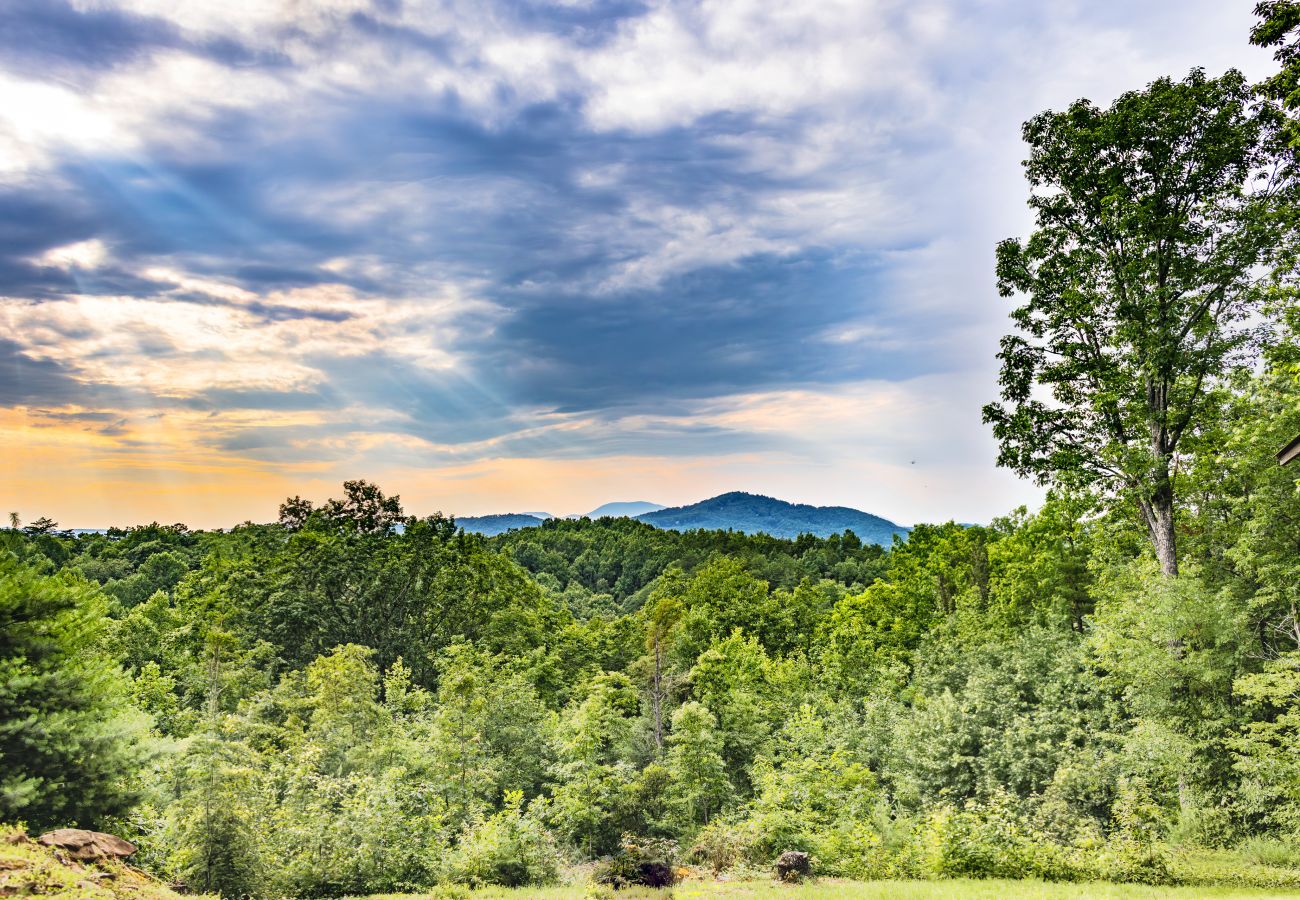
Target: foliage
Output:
{"points": [[651, 862], [352, 700], [70, 743], [1141, 279], [510, 848]]}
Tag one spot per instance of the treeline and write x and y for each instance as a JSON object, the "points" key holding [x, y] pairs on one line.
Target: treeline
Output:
{"points": [[331, 705], [609, 566]]}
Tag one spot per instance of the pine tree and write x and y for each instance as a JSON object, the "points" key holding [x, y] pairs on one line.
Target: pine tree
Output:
{"points": [[70, 743]]}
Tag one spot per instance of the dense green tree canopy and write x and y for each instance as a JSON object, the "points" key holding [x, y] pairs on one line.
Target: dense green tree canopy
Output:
{"points": [[1154, 217]]}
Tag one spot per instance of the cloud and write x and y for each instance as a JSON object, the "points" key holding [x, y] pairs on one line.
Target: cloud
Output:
{"points": [[26, 380], [57, 39], [371, 234]]}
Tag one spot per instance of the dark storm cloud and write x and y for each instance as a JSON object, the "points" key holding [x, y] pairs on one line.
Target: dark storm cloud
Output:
{"points": [[542, 213], [26, 380], [53, 38], [584, 24], [761, 321], [37, 216]]}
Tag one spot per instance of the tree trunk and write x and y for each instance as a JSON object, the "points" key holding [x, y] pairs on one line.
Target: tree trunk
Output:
{"points": [[656, 697], [1158, 510]]}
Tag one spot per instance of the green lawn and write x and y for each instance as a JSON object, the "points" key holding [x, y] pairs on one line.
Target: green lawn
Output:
{"points": [[832, 889]]}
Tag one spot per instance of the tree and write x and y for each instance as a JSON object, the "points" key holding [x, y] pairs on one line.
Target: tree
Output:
{"points": [[70, 744], [696, 765], [1153, 220], [1268, 750], [592, 745], [1279, 27], [663, 613]]}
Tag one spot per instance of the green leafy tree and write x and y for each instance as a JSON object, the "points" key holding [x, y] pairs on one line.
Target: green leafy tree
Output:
{"points": [[815, 794], [1173, 649], [1279, 27], [1154, 218], [592, 770], [731, 680], [71, 745], [696, 766], [1267, 750], [510, 848], [1039, 567]]}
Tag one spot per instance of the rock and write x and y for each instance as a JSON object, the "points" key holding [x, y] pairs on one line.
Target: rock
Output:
{"points": [[793, 865], [88, 845]]}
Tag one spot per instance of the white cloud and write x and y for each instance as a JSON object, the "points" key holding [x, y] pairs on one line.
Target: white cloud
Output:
{"points": [[887, 129]]}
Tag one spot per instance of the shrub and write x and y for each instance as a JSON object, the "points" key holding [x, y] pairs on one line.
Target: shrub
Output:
{"points": [[646, 861], [722, 845], [852, 850], [793, 866], [511, 848], [989, 840], [1271, 851], [449, 892], [1133, 862]]}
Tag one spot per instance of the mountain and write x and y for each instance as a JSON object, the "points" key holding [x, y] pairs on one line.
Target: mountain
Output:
{"points": [[537, 515], [631, 509], [752, 513], [497, 524]]}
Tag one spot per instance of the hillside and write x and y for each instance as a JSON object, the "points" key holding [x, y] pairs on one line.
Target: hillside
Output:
{"points": [[753, 513], [498, 524]]}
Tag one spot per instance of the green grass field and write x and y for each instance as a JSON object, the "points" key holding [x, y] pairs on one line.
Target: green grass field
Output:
{"points": [[833, 889]]}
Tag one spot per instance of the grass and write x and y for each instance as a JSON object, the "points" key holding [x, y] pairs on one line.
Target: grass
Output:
{"points": [[27, 868], [835, 889]]}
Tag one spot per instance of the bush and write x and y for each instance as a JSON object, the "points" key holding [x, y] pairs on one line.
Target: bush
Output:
{"points": [[793, 866], [852, 850], [1133, 862], [645, 861], [722, 845], [989, 840], [511, 848], [1271, 851], [449, 892]]}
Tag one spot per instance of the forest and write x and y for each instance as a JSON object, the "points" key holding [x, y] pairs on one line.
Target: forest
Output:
{"points": [[355, 700]]}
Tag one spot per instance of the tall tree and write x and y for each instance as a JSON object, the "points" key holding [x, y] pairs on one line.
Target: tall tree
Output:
{"points": [[1154, 218], [70, 743], [696, 765], [1279, 27]]}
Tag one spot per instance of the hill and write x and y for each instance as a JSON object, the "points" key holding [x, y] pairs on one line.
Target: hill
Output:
{"points": [[753, 513], [630, 508], [498, 524]]}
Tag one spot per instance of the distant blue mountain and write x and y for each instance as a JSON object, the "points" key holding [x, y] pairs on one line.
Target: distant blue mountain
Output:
{"points": [[498, 524], [631, 509], [752, 513]]}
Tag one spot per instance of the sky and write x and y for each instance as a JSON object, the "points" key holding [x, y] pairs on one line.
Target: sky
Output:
{"points": [[498, 255]]}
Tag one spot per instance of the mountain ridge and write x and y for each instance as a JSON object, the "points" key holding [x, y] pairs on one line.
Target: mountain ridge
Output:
{"points": [[732, 511], [498, 523], [754, 513], [629, 508]]}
